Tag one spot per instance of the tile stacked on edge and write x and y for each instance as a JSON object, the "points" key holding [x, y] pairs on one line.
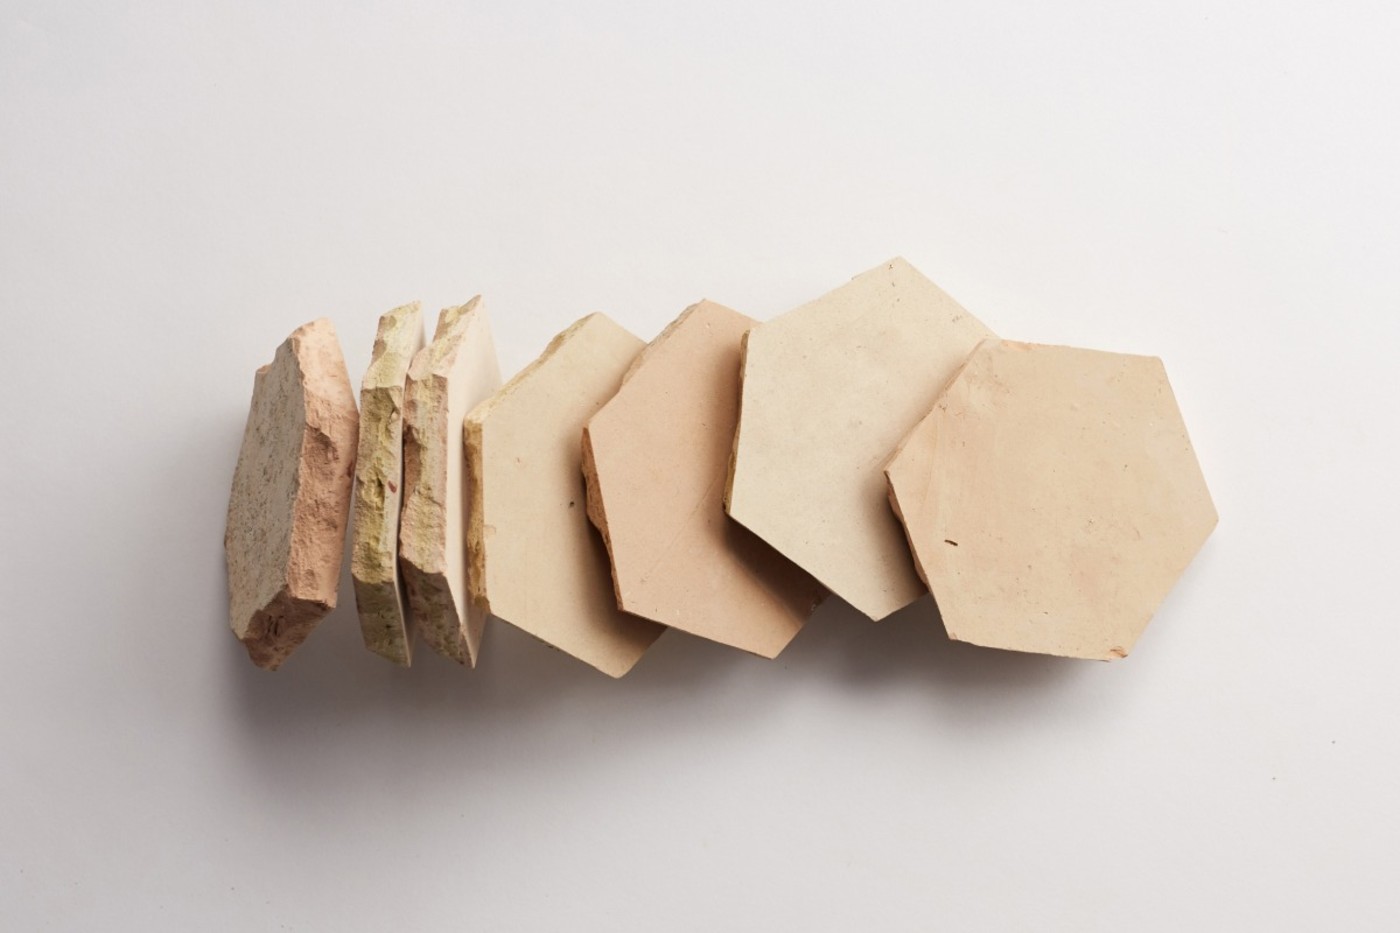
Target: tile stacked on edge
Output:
{"points": [[374, 551], [445, 380], [537, 561], [290, 501]]}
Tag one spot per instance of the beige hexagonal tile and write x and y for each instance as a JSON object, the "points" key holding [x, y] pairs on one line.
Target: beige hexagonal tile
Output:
{"points": [[829, 389], [536, 560], [656, 456], [1051, 498]]}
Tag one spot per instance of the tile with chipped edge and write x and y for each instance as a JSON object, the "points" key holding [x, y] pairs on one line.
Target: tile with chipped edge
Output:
{"points": [[446, 378], [537, 562], [374, 551], [290, 501]]}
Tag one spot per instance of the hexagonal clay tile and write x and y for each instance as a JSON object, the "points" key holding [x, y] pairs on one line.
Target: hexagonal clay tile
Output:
{"points": [[536, 560], [374, 536], [290, 500], [446, 379], [1052, 498], [656, 457], [829, 389]]}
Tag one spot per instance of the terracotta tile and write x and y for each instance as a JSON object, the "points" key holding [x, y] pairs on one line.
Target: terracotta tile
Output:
{"points": [[829, 389], [447, 377], [374, 552], [1052, 498], [656, 457], [290, 501], [536, 560]]}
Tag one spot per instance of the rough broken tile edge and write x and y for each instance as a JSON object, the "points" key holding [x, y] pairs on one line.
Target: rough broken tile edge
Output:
{"points": [[306, 613], [421, 584], [472, 439], [478, 599], [386, 625]]}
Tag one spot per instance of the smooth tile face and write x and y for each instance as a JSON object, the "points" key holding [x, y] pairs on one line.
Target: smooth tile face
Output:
{"points": [[447, 377], [1052, 498], [536, 560], [290, 501], [374, 553], [656, 457], [829, 389]]}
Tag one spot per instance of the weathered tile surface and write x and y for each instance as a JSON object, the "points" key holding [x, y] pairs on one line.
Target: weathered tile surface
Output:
{"points": [[374, 553], [290, 501], [537, 562], [446, 378]]}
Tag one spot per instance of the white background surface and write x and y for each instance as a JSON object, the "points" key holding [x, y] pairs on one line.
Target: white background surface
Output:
{"points": [[183, 184]]}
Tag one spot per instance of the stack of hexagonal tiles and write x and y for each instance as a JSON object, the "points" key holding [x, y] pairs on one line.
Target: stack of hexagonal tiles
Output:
{"points": [[877, 444]]}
